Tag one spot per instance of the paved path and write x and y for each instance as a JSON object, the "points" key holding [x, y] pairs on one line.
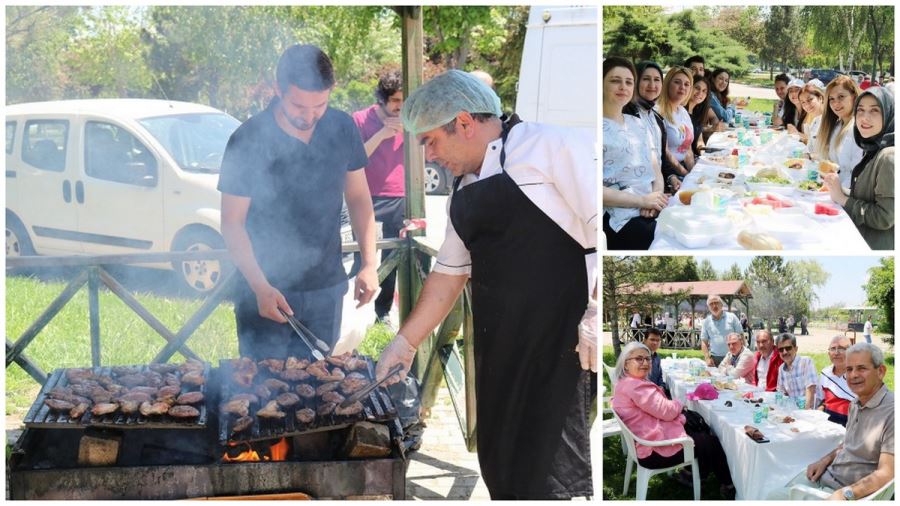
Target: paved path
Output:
{"points": [[741, 90]]}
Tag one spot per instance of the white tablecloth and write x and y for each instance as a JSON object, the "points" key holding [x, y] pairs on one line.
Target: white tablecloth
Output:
{"points": [[756, 468]]}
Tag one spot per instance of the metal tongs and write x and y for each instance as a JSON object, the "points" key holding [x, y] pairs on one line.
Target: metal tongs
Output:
{"points": [[305, 335], [367, 390]]}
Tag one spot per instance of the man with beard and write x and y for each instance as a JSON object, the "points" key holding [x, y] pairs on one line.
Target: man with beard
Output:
{"points": [[382, 133], [283, 176]]}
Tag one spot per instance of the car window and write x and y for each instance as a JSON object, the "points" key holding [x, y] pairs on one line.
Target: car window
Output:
{"points": [[196, 141], [111, 153], [10, 136], [44, 144]]}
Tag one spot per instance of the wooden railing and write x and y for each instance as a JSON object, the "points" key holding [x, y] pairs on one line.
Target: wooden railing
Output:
{"points": [[680, 339]]}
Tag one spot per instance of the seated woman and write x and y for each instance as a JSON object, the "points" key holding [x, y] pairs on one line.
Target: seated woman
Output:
{"points": [[812, 99], [719, 85], [870, 202], [781, 83], [632, 182], [792, 110], [645, 410], [837, 128], [702, 116], [650, 78], [832, 391], [677, 88]]}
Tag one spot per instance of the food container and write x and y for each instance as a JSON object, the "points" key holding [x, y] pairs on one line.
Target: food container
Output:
{"points": [[694, 227]]}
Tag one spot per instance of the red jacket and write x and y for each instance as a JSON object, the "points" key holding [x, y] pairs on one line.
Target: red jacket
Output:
{"points": [[771, 374]]}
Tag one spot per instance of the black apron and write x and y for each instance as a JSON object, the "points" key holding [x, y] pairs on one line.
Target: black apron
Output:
{"points": [[529, 293]]}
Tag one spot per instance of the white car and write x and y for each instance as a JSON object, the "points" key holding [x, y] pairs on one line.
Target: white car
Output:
{"points": [[115, 176]]}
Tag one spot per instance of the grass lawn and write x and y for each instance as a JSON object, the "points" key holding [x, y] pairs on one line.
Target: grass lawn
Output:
{"points": [[662, 486], [125, 338], [760, 105], [761, 79]]}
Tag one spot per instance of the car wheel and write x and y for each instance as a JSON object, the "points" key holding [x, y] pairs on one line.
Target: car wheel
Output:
{"points": [[435, 180], [199, 276], [17, 241]]}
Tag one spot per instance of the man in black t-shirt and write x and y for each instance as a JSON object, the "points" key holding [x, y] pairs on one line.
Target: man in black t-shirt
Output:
{"points": [[283, 176]]}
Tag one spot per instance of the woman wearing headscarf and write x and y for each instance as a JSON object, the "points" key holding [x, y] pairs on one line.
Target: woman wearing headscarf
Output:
{"points": [[870, 202], [835, 137], [677, 88], [632, 182], [649, 86]]}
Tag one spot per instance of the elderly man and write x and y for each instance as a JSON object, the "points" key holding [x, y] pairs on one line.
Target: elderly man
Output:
{"points": [[519, 187], [797, 375], [864, 462], [715, 329], [833, 393], [766, 362], [653, 340], [738, 363]]}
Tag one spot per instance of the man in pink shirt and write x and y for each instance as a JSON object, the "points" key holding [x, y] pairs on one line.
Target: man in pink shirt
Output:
{"points": [[382, 135]]}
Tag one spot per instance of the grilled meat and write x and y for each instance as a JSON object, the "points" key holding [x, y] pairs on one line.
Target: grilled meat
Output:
{"points": [[338, 360], [58, 404], [244, 370], [168, 391], [353, 409], [294, 375], [274, 365], [306, 415], [153, 408], [247, 397], [138, 397], [172, 380], [184, 411], [333, 397], [193, 378], [327, 387], [189, 398], [104, 408], [296, 363], [348, 362], [325, 408], [262, 392], [270, 411], [59, 392], [122, 370], [79, 375], [163, 368], [243, 378], [243, 423], [79, 410], [133, 380], [237, 407], [100, 394], [337, 374], [82, 389], [305, 390], [129, 407], [192, 365], [276, 385], [354, 382], [319, 369], [151, 391], [287, 399]]}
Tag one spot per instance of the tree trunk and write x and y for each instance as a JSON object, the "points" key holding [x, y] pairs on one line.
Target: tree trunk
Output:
{"points": [[612, 314]]}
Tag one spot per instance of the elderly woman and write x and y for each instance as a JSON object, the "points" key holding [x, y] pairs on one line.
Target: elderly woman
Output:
{"points": [[832, 392], [645, 410], [870, 203]]}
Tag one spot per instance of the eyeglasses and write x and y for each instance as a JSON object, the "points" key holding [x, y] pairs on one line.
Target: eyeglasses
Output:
{"points": [[640, 360], [837, 349], [785, 349]]}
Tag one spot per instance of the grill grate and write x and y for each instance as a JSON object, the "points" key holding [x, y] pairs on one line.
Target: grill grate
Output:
{"points": [[41, 416]]}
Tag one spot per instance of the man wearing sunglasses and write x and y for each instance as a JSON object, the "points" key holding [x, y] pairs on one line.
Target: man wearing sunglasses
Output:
{"points": [[797, 375]]}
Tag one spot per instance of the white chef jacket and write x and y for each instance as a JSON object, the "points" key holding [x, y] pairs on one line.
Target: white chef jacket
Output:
{"points": [[556, 168]]}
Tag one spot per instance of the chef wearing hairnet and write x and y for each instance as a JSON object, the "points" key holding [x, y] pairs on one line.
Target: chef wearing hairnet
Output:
{"points": [[523, 227]]}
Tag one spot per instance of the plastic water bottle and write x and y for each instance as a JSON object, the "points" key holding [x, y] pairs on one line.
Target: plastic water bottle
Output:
{"points": [[765, 410], [779, 399], [757, 414], [743, 158]]}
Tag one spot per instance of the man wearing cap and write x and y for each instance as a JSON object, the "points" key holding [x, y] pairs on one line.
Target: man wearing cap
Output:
{"points": [[523, 226], [283, 176], [715, 328]]}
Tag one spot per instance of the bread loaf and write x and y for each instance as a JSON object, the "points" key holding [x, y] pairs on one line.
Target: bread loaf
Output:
{"points": [[757, 241], [826, 167]]}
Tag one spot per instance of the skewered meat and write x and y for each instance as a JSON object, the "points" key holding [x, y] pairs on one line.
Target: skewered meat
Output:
{"points": [[129, 407], [138, 397], [193, 378], [270, 411], [247, 397], [151, 391], [306, 391], [58, 404], [104, 408], [243, 423], [350, 410], [189, 398], [276, 385], [274, 365], [327, 387], [237, 407], [168, 391], [287, 399], [154, 408], [79, 410], [319, 369], [306, 415], [333, 397], [325, 408], [262, 392], [163, 368], [122, 370], [296, 363], [183, 411], [354, 382], [337, 374], [191, 365], [294, 375]]}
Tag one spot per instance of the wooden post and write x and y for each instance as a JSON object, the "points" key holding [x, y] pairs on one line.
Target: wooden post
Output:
{"points": [[94, 309]]}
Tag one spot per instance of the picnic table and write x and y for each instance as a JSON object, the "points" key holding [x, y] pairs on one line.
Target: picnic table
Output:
{"points": [[729, 208], [756, 468]]}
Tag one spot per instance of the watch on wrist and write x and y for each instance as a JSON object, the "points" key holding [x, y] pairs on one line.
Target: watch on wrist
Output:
{"points": [[848, 494]]}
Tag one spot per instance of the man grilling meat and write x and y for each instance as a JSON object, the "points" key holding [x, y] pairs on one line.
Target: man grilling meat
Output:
{"points": [[523, 226], [283, 175]]}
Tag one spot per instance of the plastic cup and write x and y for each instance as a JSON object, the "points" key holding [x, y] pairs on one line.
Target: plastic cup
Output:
{"points": [[801, 403]]}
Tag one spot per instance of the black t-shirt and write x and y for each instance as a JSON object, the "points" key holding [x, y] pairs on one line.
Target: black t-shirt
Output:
{"points": [[296, 194]]}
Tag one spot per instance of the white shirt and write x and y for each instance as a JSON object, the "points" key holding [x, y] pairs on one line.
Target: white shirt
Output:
{"points": [[762, 369], [680, 134], [556, 168], [867, 328], [811, 131], [653, 127], [847, 154]]}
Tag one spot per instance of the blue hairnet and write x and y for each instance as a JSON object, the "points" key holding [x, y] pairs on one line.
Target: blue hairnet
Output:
{"points": [[438, 101]]}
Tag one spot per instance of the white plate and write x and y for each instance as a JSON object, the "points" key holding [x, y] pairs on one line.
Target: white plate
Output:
{"points": [[801, 426]]}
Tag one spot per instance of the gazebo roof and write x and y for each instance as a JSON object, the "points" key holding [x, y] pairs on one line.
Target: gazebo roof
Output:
{"points": [[700, 288]]}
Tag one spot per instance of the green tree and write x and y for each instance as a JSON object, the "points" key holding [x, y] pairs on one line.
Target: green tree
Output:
{"points": [[881, 19], [781, 29], [37, 38], [836, 30], [734, 273], [880, 292], [706, 272], [806, 276], [639, 33], [768, 277]]}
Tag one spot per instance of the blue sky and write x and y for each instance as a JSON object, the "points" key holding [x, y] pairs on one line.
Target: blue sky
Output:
{"points": [[844, 286]]}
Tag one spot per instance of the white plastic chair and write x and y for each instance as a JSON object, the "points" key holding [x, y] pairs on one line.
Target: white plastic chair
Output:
{"points": [[800, 492], [644, 474], [610, 425]]}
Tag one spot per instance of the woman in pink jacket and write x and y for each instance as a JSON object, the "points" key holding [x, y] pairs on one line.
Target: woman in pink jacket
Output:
{"points": [[644, 408]]}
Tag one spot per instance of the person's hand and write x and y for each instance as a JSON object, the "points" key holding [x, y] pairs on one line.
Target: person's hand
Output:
{"points": [[837, 495], [815, 470], [587, 338], [833, 183], [269, 300], [791, 128], [710, 362], [398, 351], [654, 200], [392, 126], [675, 183], [366, 285], [649, 213]]}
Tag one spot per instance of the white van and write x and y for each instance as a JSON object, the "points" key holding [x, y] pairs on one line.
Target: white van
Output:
{"points": [[558, 76], [116, 176]]}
